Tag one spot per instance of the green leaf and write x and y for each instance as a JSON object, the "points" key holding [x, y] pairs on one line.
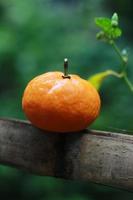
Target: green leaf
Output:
{"points": [[109, 28], [114, 33], [97, 79], [103, 23]]}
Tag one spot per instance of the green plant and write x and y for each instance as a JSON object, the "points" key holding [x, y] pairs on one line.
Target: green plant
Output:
{"points": [[109, 33]]}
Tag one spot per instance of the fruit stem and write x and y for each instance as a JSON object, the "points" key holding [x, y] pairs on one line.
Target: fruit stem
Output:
{"points": [[66, 69]]}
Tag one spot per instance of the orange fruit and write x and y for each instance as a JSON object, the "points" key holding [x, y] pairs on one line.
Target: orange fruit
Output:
{"points": [[53, 103], [60, 104]]}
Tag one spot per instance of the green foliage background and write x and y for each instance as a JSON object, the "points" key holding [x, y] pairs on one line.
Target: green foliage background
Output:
{"points": [[35, 36]]}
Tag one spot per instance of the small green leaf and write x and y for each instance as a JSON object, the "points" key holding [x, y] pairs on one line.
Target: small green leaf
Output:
{"points": [[97, 79], [100, 35], [103, 23], [115, 33], [109, 28]]}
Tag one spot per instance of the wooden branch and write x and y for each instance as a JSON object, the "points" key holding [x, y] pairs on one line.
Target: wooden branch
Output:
{"points": [[97, 156]]}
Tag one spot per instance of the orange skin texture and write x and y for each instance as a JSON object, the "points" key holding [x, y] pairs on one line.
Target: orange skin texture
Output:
{"points": [[58, 104]]}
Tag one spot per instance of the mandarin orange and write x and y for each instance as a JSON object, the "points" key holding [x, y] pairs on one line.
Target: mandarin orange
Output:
{"points": [[59, 103]]}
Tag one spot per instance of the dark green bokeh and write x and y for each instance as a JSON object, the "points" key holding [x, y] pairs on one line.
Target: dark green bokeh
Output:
{"points": [[35, 36]]}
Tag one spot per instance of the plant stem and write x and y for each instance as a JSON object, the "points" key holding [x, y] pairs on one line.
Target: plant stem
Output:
{"points": [[128, 82], [114, 73], [123, 73], [117, 50]]}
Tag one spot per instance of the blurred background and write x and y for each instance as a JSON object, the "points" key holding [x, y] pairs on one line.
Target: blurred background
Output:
{"points": [[35, 37]]}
